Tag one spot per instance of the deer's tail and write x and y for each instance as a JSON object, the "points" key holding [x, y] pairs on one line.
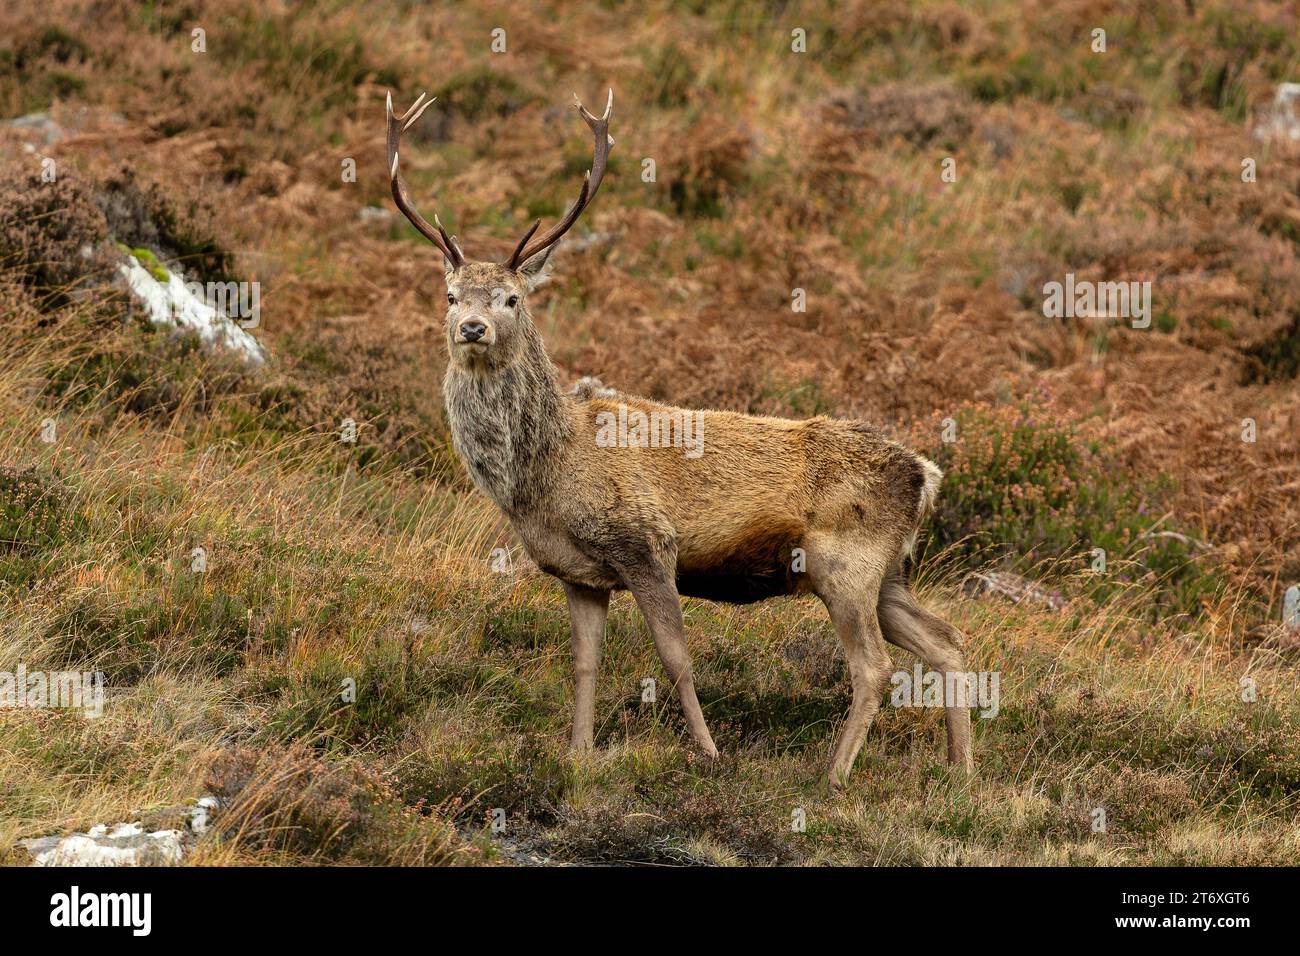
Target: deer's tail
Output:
{"points": [[931, 478]]}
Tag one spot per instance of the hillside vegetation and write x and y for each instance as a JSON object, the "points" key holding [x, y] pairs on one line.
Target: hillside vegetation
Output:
{"points": [[363, 676]]}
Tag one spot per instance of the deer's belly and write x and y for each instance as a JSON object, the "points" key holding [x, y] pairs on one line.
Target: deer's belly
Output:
{"points": [[755, 563]]}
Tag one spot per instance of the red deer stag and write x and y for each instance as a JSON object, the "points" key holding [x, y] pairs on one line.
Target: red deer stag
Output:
{"points": [[761, 507]]}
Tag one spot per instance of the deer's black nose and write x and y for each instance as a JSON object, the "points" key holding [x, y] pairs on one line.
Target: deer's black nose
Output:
{"points": [[472, 330]]}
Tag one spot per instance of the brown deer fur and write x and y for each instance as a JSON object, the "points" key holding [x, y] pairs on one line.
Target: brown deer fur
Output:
{"points": [[722, 525]]}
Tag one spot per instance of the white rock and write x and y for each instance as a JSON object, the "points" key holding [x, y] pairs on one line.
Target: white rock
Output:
{"points": [[39, 123], [202, 813], [123, 844], [127, 845], [172, 304], [1282, 119]]}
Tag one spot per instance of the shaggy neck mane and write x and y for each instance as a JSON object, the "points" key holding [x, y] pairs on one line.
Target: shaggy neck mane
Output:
{"points": [[508, 423]]}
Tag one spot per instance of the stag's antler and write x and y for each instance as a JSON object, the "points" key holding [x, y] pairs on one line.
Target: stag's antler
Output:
{"points": [[397, 125], [590, 184]]}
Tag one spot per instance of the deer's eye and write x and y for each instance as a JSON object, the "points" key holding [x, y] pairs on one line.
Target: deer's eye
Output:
{"points": [[451, 299], [512, 302]]}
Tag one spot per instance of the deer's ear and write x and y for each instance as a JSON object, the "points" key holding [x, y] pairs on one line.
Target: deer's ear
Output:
{"points": [[449, 269], [536, 270]]}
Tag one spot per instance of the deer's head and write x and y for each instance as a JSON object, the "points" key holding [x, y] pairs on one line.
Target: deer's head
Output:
{"points": [[487, 315]]}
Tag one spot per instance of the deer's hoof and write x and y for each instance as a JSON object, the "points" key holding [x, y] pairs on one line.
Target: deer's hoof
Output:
{"points": [[835, 783]]}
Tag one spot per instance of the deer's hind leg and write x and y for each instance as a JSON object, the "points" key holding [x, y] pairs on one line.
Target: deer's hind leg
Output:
{"points": [[939, 644], [847, 576]]}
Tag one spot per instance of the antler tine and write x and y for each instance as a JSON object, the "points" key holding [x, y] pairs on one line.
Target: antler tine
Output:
{"points": [[397, 125], [609, 108], [514, 256], [417, 110], [449, 241], [590, 184]]}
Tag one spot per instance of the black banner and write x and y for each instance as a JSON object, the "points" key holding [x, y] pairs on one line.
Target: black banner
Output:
{"points": [[331, 906]]}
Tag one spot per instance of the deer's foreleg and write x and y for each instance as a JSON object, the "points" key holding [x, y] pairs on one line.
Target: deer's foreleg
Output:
{"points": [[588, 608], [656, 595]]}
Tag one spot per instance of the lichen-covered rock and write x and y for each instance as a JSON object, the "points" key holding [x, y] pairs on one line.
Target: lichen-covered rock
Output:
{"points": [[169, 301]]}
